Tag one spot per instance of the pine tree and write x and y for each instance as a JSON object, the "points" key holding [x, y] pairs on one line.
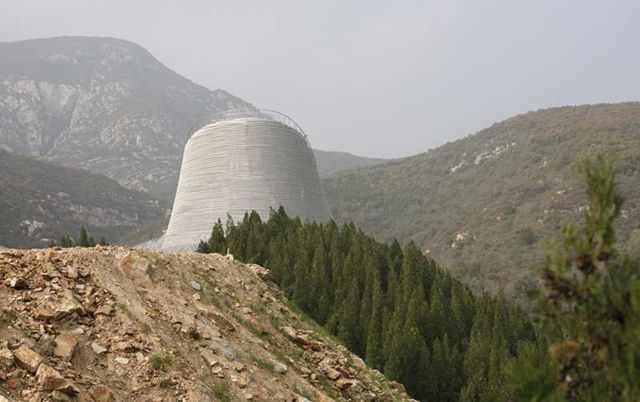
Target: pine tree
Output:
{"points": [[414, 354], [375, 345], [203, 247], [84, 241], [348, 325], [217, 241], [442, 372], [437, 312], [321, 277], [532, 374], [66, 241], [255, 239]]}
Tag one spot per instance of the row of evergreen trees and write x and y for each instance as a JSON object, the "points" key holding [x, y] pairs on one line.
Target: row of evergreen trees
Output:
{"points": [[84, 240], [390, 305]]}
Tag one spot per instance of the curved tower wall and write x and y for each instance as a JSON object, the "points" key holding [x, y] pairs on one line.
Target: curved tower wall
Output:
{"points": [[238, 165]]}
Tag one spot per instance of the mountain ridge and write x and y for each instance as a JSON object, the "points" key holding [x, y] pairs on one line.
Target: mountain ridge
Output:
{"points": [[330, 162], [106, 105], [109, 106], [482, 205]]}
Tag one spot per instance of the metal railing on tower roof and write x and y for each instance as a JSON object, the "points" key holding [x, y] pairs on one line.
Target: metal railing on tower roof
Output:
{"points": [[232, 114]]}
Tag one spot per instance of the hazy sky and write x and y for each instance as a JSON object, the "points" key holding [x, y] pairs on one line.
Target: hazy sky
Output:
{"points": [[377, 78]]}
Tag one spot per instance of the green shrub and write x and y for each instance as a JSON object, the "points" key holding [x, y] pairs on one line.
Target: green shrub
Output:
{"points": [[161, 361], [220, 390]]}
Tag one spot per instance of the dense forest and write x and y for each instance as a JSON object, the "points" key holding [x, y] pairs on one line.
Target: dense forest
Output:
{"points": [[413, 321], [395, 307]]}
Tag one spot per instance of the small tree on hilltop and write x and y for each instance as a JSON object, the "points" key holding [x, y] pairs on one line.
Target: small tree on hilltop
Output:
{"points": [[84, 239], [203, 247], [217, 241]]}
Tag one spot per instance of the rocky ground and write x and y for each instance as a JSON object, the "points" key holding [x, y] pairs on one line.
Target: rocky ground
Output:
{"points": [[117, 324]]}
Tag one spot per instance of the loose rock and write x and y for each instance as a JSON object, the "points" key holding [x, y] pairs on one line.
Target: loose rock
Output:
{"points": [[17, 283], [100, 393], [209, 357], [223, 346], [239, 367], [6, 359], [27, 358], [343, 383], [280, 368], [72, 272], [98, 349], [68, 305], [66, 344], [136, 268], [222, 321], [49, 379], [78, 331], [332, 373]]}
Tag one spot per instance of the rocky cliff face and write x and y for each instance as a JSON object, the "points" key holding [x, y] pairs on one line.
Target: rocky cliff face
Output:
{"points": [[102, 104], [116, 324]]}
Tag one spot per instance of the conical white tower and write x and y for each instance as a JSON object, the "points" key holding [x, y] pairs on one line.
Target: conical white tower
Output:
{"points": [[238, 162]]}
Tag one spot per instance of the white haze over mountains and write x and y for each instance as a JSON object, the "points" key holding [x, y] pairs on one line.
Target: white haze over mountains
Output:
{"points": [[376, 78]]}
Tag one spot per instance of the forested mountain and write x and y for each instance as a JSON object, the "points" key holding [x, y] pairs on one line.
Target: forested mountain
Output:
{"points": [[40, 201], [482, 205], [392, 306]]}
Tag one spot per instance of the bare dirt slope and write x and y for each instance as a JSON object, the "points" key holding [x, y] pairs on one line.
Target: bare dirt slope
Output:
{"points": [[116, 324]]}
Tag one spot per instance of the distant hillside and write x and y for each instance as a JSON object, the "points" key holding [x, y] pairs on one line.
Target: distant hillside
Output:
{"points": [[330, 162], [40, 201], [483, 204], [103, 104]]}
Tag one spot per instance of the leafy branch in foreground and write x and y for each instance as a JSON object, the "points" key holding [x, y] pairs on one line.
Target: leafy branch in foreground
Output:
{"points": [[589, 309]]}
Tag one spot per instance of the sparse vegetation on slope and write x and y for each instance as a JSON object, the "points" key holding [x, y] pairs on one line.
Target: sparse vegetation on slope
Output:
{"points": [[482, 205]]}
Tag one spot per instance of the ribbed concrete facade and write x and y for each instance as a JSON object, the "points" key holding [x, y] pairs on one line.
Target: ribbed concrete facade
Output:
{"points": [[239, 164]]}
